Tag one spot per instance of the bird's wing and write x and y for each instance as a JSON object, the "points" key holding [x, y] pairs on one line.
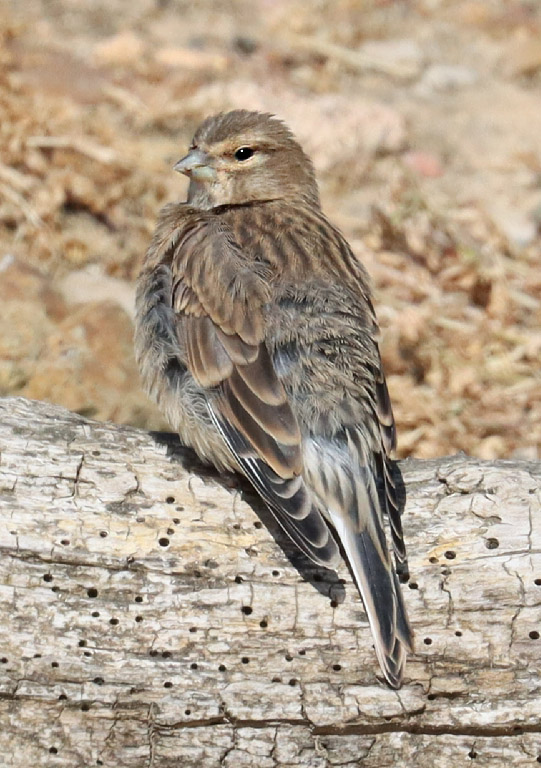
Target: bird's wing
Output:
{"points": [[382, 455], [218, 297], [345, 473]]}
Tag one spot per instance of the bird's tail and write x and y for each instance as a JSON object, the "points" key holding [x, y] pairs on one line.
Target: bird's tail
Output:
{"points": [[382, 597]]}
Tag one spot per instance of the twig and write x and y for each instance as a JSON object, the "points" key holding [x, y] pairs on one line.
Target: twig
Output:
{"points": [[96, 152]]}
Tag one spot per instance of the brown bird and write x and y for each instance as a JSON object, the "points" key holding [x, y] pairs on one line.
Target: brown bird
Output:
{"points": [[256, 335]]}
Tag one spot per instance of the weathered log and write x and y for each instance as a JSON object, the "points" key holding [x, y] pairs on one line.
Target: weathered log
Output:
{"points": [[149, 618]]}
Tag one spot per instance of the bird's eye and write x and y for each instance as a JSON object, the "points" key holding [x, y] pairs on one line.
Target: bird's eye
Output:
{"points": [[244, 153]]}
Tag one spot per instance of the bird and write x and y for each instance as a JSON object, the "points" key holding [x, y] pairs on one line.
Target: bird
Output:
{"points": [[256, 335]]}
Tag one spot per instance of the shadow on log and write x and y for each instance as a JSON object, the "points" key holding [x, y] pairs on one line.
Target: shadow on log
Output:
{"points": [[150, 619]]}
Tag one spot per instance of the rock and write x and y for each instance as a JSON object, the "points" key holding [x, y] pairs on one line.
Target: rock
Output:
{"points": [[519, 229], [87, 365], [403, 58], [91, 285], [122, 49], [25, 298], [79, 356], [440, 78]]}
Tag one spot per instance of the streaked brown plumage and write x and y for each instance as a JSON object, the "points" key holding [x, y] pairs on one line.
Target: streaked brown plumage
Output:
{"points": [[257, 337]]}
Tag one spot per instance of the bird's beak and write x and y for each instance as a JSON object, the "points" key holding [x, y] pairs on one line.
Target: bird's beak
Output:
{"points": [[196, 165]]}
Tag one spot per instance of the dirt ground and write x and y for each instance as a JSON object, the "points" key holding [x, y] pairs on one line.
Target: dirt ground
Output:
{"points": [[424, 122]]}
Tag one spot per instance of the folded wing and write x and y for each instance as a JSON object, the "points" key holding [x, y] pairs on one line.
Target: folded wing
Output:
{"points": [[218, 298]]}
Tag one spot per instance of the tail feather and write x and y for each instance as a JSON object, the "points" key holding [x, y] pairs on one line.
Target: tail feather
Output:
{"points": [[381, 596]]}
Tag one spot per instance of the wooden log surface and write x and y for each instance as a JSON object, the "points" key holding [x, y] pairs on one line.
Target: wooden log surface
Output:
{"points": [[150, 618]]}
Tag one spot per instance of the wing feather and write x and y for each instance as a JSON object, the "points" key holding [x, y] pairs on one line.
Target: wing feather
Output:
{"points": [[219, 299]]}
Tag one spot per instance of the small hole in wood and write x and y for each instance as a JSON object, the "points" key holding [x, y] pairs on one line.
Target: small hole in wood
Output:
{"points": [[170, 500], [236, 526], [166, 654], [533, 635], [55, 589], [193, 665], [95, 614], [62, 697], [103, 534], [413, 585], [492, 543], [140, 519], [537, 582], [431, 696], [276, 680], [427, 641], [153, 652], [288, 657], [302, 652], [337, 667], [47, 577], [276, 573], [222, 668], [193, 629], [3, 660], [92, 592], [245, 660], [176, 520], [258, 524], [170, 531], [138, 619], [96, 453], [54, 664], [450, 555], [163, 542], [53, 751], [187, 711], [238, 579], [37, 655], [432, 559], [334, 604], [292, 682], [98, 681], [85, 706], [113, 622], [87, 653], [82, 643], [263, 624], [138, 599], [65, 542], [247, 610], [99, 762], [472, 754], [168, 684], [458, 633]]}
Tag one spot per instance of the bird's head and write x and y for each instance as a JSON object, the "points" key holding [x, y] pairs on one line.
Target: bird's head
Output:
{"points": [[241, 157]]}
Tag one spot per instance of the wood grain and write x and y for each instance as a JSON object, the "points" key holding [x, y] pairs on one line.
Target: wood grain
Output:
{"points": [[149, 618]]}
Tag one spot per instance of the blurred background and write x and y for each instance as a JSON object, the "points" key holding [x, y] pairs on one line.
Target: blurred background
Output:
{"points": [[423, 119]]}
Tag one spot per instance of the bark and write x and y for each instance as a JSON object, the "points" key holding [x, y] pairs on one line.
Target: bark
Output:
{"points": [[150, 617]]}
